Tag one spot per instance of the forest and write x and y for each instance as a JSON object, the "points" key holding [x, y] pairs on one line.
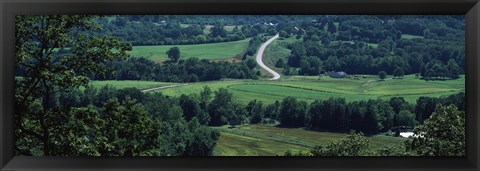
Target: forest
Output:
{"points": [[58, 111]]}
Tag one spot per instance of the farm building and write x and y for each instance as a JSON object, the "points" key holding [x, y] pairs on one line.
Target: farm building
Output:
{"points": [[340, 74]]}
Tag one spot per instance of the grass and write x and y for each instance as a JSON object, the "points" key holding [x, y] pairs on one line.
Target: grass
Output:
{"points": [[264, 140], [129, 84], [206, 31], [223, 50], [373, 45], [310, 88], [409, 36], [238, 145]]}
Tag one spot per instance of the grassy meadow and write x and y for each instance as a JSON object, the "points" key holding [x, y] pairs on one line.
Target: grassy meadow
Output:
{"points": [[223, 50], [206, 31], [409, 36], [310, 88], [265, 140]]}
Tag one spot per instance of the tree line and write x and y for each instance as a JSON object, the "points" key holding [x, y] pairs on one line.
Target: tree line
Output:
{"points": [[153, 30], [188, 70], [428, 58], [368, 116], [443, 134]]}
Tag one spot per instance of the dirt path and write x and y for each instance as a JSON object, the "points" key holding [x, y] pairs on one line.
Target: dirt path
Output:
{"points": [[276, 76], [163, 87]]}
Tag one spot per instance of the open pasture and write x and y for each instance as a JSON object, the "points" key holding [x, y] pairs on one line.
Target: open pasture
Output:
{"points": [[215, 51], [310, 88], [265, 140]]}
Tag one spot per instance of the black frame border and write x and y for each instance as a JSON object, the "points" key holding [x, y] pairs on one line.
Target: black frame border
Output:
{"points": [[10, 8]]}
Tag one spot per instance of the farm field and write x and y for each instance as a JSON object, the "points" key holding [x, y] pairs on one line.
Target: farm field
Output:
{"points": [[310, 88], [373, 45], [223, 50], [264, 140], [409, 36], [206, 31]]}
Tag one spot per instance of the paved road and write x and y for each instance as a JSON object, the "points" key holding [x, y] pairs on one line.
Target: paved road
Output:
{"points": [[276, 76]]}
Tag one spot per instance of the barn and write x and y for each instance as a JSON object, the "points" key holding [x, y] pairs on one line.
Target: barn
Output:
{"points": [[340, 74]]}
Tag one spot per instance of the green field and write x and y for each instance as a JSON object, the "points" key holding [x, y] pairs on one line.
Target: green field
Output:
{"points": [[206, 31], [222, 50], [129, 84], [310, 88], [263, 140], [409, 36], [373, 45]]}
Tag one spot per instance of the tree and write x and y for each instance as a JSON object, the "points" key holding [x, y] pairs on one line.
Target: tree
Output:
{"points": [[315, 114], [453, 69], [128, 129], [443, 134], [425, 107], [47, 71], [133, 93], [82, 122], [370, 120], [405, 118], [271, 110], [175, 138], [304, 67], [292, 113], [280, 63], [190, 107], [284, 34], [120, 21], [398, 72], [332, 63], [255, 111], [385, 114], [222, 99], [203, 140], [205, 96], [234, 113], [331, 27], [174, 54], [296, 55], [382, 75], [329, 114], [398, 104], [355, 144], [310, 66], [218, 31], [251, 63]]}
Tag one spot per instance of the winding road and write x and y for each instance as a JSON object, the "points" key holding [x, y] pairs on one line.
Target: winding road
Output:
{"points": [[276, 76]]}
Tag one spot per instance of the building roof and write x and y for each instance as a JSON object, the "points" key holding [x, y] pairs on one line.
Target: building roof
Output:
{"points": [[340, 74]]}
